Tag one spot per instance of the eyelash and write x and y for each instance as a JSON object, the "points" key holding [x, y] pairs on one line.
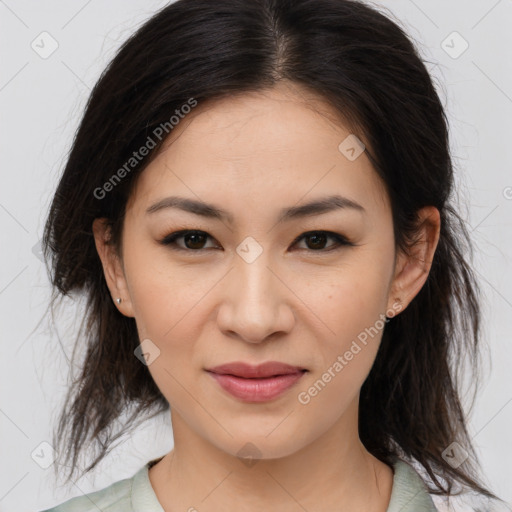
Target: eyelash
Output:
{"points": [[170, 240]]}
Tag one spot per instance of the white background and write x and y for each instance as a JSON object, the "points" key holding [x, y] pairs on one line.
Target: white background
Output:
{"points": [[41, 102]]}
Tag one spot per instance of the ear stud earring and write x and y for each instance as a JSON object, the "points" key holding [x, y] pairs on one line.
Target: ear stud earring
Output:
{"points": [[119, 300]]}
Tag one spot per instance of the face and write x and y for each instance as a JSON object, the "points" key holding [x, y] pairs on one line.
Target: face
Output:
{"points": [[310, 289]]}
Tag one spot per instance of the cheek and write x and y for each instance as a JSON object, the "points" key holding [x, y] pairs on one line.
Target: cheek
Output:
{"points": [[167, 308], [351, 301], [164, 295], [355, 310], [171, 306], [351, 307]]}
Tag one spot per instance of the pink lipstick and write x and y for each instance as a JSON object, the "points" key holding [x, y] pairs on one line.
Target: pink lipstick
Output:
{"points": [[256, 383]]}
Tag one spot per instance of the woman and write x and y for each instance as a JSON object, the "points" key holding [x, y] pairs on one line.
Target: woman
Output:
{"points": [[257, 205]]}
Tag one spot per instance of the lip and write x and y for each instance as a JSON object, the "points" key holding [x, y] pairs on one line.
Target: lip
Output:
{"points": [[256, 383]]}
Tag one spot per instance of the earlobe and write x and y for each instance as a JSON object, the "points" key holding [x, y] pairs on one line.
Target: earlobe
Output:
{"points": [[112, 267], [412, 269]]}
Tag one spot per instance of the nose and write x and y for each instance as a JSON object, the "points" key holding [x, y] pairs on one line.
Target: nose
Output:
{"points": [[256, 303]]}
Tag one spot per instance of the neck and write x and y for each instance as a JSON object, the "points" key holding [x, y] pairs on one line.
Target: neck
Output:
{"points": [[335, 472]]}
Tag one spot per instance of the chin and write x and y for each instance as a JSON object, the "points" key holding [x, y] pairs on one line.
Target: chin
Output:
{"points": [[251, 444]]}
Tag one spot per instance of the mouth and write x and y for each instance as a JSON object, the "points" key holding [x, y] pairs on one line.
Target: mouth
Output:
{"points": [[260, 383]]}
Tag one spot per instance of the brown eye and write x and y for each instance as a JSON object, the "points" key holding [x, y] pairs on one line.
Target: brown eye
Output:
{"points": [[316, 240], [193, 240]]}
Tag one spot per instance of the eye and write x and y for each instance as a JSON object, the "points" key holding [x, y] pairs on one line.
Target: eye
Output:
{"points": [[318, 239], [194, 240]]}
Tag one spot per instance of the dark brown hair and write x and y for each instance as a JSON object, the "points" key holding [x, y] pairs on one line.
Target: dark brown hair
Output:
{"points": [[367, 68]]}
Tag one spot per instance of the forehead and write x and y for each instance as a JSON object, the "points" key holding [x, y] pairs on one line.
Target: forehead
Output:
{"points": [[260, 148]]}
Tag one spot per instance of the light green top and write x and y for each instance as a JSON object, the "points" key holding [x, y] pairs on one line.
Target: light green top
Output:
{"points": [[135, 494]]}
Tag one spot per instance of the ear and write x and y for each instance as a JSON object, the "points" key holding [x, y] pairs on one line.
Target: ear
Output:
{"points": [[112, 267], [412, 269]]}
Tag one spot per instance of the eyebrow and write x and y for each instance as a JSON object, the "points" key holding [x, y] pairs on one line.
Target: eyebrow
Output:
{"points": [[316, 207]]}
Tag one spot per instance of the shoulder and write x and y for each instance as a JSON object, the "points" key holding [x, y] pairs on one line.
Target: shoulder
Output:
{"points": [[117, 497], [409, 492]]}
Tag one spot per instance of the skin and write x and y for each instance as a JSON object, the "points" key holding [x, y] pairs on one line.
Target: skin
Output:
{"points": [[252, 155]]}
